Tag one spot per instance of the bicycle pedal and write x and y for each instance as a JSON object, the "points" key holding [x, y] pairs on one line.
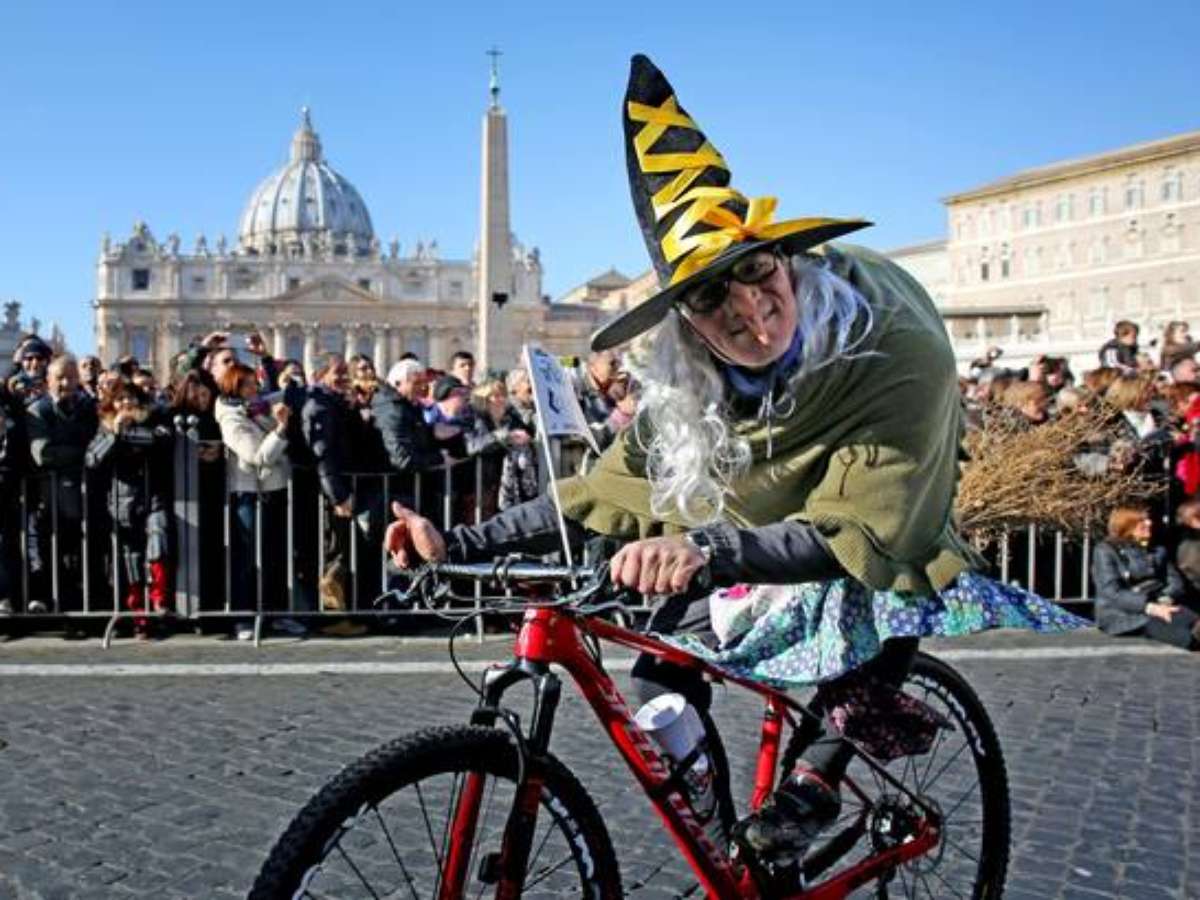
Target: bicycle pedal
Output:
{"points": [[489, 868]]}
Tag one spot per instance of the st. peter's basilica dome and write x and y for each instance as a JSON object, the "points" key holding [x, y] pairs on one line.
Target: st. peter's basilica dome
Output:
{"points": [[306, 208]]}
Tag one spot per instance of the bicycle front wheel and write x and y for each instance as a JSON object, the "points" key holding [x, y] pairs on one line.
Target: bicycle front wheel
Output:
{"points": [[390, 825]]}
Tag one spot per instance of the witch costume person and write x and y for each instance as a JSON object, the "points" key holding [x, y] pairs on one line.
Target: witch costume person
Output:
{"points": [[798, 435]]}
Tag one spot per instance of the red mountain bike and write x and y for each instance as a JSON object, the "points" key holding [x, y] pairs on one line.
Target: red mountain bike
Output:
{"points": [[466, 810]]}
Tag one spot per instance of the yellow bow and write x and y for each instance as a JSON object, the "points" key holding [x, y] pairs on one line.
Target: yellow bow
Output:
{"points": [[704, 204]]}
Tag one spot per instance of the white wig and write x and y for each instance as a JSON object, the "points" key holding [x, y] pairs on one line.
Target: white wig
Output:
{"points": [[692, 453]]}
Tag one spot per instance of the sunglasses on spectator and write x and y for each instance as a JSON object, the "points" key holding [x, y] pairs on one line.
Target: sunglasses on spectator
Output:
{"points": [[707, 298]]}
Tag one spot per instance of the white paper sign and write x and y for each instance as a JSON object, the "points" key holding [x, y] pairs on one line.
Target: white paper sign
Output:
{"points": [[554, 394]]}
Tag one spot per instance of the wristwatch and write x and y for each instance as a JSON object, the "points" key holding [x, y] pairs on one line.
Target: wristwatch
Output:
{"points": [[701, 542]]}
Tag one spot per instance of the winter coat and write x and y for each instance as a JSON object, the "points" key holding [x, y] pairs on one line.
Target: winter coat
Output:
{"points": [[407, 440], [1126, 577], [59, 435], [258, 461], [327, 424]]}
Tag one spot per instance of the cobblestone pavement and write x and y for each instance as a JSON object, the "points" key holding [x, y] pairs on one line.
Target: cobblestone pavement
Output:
{"points": [[175, 787]]}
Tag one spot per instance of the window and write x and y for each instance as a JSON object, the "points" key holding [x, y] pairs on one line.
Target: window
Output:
{"points": [[1170, 234], [293, 283], [1134, 193], [141, 279], [243, 279], [1005, 269], [364, 283], [199, 284], [1027, 217], [1098, 201], [1172, 186], [456, 290], [1063, 208], [983, 270], [139, 345]]}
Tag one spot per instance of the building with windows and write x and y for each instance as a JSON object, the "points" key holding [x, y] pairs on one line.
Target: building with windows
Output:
{"points": [[11, 332], [1048, 259], [308, 270]]}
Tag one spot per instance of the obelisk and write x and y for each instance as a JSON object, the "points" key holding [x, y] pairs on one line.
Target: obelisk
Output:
{"points": [[495, 239]]}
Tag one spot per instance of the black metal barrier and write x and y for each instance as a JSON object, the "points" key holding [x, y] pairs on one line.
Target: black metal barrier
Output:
{"points": [[70, 549]]}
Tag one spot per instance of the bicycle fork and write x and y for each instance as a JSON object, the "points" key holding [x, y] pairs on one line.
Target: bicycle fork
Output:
{"points": [[507, 868]]}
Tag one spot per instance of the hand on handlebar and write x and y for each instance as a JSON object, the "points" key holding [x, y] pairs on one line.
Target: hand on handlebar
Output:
{"points": [[661, 565], [412, 535]]}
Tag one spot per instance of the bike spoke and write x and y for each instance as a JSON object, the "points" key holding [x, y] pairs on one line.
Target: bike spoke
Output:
{"points": [[355, 869], [937, 745], [548, 872], [395, 853], [957, 753], [960, 849], [957, 892], [549, 831], [961, 800]]}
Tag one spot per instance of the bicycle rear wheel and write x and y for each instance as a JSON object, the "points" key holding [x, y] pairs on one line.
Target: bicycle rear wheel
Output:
{"points": [[386, 826], [963, 776]]}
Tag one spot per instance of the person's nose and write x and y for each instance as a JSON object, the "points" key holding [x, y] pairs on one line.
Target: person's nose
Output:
{"points": [[746, 302]]}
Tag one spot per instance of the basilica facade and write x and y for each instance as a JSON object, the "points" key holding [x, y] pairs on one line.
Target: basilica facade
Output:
{"points": [[309, 272]]}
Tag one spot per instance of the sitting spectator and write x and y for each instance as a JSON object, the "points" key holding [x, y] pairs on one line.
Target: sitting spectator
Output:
{"points": [[60, 426], [132, 446], [1182, 366], [1121, 350], [1187, 551], [257, 475], [1028, 402], [1139, 591]]}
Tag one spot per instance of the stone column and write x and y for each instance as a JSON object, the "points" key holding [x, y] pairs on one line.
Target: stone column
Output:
{"points": [[113, 341], [382, 360], [279, 341], [437, 348], [172, 343], [395, 343], [310, 347], [350, 335]]}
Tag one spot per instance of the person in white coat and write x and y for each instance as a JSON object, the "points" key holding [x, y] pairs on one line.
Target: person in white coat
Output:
{"points": [[257, 473]]}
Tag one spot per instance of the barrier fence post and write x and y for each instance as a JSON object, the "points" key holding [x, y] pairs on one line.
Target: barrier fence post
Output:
{"points": [[478, 519], [55, 594], [291, 542], [25, 544], [85, 554], [1058, 565], [1004, 560], [352, 531], [258, 568], [1031, 566]]}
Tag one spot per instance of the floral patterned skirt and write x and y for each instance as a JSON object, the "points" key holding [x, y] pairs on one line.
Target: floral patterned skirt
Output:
{"points": [[802, 635]]}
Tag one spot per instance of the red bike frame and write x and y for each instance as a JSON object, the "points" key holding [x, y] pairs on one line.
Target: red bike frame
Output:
{"points": [[551, 635]]}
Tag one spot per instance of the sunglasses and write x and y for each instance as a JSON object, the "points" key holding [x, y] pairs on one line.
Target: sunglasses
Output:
{"points": [[707, 298]]}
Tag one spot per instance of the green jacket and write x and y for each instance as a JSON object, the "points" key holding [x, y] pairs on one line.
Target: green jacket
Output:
{"points": [[869, 454]]}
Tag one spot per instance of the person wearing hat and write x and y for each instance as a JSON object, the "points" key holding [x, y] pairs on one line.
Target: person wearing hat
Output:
{"points": [[798, 437], [31, 357]]}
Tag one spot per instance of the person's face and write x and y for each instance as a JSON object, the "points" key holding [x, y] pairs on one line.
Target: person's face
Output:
{"points": [[247, 389], [364, 370], [146, 383], [1034, 409], [62, 380], [204, 398], [603, 366], [33, 365], [1129, 338], [126, 403], [1142, 530], [456, 402], [497, 400], [219, 362], [523, 392], [1185, 370], [89, 370], [464, 370], [338, 378], [292, 373], [755, 324]]}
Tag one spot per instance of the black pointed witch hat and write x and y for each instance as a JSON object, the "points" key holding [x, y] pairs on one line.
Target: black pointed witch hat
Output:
{"points": [[695, 225]]}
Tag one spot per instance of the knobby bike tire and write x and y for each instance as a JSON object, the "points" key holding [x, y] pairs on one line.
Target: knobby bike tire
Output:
{"points": [[424, 756]]}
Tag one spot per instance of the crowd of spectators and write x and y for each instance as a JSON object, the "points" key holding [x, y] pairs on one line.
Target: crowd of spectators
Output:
{"points": [[1146, 573], [95, 450]]}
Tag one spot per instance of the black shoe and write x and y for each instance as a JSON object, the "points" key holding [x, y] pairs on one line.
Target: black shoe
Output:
{"points": [[788, 823]]}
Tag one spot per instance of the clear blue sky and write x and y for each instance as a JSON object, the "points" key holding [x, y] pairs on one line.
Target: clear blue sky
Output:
{"points": [[172, 112]]}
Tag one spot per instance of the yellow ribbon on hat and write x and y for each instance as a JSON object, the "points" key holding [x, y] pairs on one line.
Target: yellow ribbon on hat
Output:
{"points": [[704, 204]]}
